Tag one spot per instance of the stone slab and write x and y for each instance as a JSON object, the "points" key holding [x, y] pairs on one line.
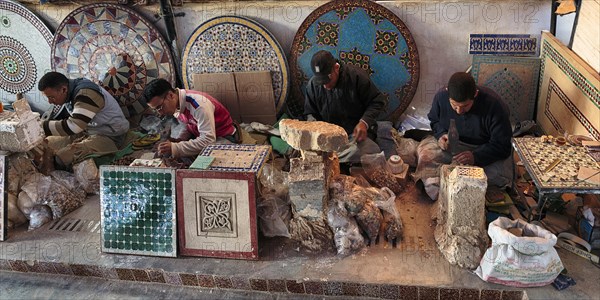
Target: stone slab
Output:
{"points": [[313, 135]]}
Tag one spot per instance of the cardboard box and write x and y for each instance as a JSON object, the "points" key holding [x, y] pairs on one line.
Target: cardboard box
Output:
{"points": [[255, 96], [222, 87]]}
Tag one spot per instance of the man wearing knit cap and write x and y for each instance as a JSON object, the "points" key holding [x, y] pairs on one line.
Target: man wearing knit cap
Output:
{"points": [[344, 95]]}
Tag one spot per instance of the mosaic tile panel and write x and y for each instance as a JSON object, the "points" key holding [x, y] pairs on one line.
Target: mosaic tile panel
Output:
{"points": [[3, 196], [385, 45], [503, 44], [138, 210], [354, 57], [24, 46], [113, 45], [237, 158], [514, 79], [327, 34], [537, 156], [217, 214], [569, 91], [235, 44]]}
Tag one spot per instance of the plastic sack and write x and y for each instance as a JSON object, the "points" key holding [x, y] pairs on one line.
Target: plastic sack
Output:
{"points": [[40, 215], [45, 190], [346, 233], [392, 223], [88, 176], [369, 220], [526, 261], [377, 172], [274, 213], [407, 150]]}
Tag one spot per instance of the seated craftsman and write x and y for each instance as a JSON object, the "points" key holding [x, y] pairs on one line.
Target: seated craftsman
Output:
{"points": [[344, 95], [207, 120], [484, 130], [95, 124]]}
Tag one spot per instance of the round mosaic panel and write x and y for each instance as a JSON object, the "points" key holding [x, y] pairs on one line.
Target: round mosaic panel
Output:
{"points": [[235, 44], [113, 46], [24, 46], [364, 34]]}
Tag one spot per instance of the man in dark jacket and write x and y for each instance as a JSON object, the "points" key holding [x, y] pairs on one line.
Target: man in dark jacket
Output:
{"points": [[344, 95], [484, 130]]}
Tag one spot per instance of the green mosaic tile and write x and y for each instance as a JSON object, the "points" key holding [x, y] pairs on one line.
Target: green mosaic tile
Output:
{"points": [[138, 210]]}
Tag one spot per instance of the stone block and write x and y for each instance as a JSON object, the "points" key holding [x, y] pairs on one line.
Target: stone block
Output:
{"points": [[314, 135], [20, 134], [460, 231]]}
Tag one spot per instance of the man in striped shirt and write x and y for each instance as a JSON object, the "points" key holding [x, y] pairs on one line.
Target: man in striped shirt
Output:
{"points": [[207, 120], [95, 125]]}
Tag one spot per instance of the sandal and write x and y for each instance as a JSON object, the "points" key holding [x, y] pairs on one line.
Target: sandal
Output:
{"points": [[523, 127], [146, 141]]}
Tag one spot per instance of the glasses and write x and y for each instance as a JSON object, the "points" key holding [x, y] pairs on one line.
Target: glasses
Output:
{"points": [[159, 107]]}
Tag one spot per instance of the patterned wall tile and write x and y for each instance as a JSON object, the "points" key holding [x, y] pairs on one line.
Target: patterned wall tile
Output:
{"points": [[514, 79], [503, 44], [138, 210], [354, 57], [217, 214], [3, 196], [237, 158]]}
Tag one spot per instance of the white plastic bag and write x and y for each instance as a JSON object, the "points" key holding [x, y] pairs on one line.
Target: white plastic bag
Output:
{"points": [[526, 261]]}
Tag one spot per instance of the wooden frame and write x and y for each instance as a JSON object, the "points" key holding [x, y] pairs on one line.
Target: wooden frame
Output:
{"points": [[216, 214]]}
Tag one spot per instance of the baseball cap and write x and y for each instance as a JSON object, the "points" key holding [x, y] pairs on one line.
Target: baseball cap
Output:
{"points": [[322, 64]]}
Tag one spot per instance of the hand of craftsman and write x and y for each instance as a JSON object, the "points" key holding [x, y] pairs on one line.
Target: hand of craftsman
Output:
{"points": [[443, 142], [464, 158], [164, 149], [360, 131]]}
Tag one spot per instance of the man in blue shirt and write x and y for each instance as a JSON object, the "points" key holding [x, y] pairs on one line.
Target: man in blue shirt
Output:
{"points": [[484, 130]]}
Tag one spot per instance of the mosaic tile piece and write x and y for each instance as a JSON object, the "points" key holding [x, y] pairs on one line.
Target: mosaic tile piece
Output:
{"points": [[354, 57], [3, 196], [237, 157], [514, 79], [569, 91], [24, 46], [217, 214], [235, 44], [113, 45], [395, 68], [537, 156], [138, 210], [503, 44]]}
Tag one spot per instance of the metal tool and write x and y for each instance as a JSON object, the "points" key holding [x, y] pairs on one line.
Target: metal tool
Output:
{"points": [[552, 165]]}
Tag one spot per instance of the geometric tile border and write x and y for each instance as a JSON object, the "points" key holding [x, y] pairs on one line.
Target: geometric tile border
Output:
{"points": [[238, 282], [503, 44]]}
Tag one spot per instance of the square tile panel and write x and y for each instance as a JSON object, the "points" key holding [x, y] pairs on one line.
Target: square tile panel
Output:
{"points": [[237, 158], [3, 196], [216, 213], [138, 210]]}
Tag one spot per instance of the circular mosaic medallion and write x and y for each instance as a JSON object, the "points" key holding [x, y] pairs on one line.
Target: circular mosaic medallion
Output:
{"points": [[17, 67], [364, 34], [114, 46], [235, 44], [24, 48]]}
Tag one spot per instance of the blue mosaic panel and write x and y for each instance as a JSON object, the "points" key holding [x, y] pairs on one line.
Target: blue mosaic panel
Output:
{"points": [[138, 210], [364, 34], [514, 79], [237, 158], [503, 44]]}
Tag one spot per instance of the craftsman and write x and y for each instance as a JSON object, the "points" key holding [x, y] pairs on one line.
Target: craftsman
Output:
{"points": [[95, 124], [344, 95], [207, 120], [484, 130]]}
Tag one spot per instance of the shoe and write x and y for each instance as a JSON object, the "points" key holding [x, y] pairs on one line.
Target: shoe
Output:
{"points": [[523, 127]]}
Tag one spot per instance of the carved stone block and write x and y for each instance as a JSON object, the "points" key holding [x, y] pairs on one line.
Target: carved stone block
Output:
{"points": [[314, 136]]}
